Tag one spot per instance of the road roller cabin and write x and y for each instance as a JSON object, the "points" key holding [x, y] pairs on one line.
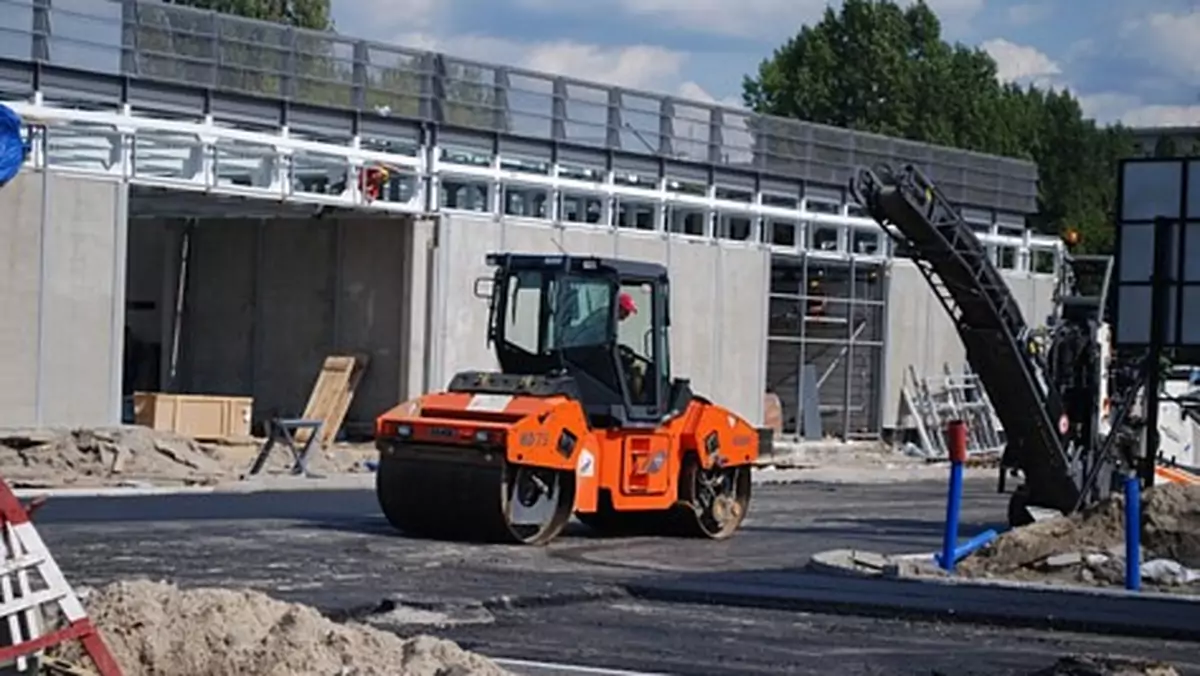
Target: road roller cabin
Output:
{"points": [[583, 418]]}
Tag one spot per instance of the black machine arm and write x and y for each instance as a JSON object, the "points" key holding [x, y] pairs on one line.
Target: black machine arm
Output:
{"points": [[997, 339]]}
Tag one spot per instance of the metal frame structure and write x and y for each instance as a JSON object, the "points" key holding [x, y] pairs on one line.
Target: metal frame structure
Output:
{"points": [[177, 101], [1150, 189], [827, 325]]}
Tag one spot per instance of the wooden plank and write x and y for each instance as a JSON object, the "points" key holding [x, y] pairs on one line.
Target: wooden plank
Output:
{"points": [[331, 395], [343, 400]]}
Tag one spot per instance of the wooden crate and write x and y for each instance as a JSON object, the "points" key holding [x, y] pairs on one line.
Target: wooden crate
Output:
{"points": [[194, 415]]}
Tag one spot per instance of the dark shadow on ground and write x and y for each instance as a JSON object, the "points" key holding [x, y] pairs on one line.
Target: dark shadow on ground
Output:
{"points": [[208, 506], [922, 528], [805, 590]]}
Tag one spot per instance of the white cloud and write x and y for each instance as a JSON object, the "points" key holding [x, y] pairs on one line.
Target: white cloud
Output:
{"points": [[634, 66], [1133, 111], [378, 18], [693, 92], [1025, 14], [744, 18], [1162, 116], [1022, 63], [1170, 42]]}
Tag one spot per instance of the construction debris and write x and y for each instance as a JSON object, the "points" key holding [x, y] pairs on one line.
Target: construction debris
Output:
{"points": [[1088, 547], [133, 455], [1105, 665], [156, 628]]}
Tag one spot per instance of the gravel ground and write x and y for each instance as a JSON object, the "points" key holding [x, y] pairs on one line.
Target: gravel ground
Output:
{"points": [[563, 603]]}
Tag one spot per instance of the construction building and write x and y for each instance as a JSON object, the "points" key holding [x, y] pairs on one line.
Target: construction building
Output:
{"points": [[213, 204]]}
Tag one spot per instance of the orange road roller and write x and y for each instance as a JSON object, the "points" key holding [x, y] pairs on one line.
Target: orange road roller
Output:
{"points": [[583, 417]]}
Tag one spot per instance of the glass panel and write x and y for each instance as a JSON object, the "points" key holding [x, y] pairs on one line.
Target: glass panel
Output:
{"points": [[1190, 325], [523, 311], [580, 208], [1137, 253], [583, 313], [1151, 189], [1191, 252], [635, 340], [1133, 319]]}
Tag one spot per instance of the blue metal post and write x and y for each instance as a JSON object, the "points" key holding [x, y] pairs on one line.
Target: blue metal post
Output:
{"points": [[956, 444], [1133, 532]]}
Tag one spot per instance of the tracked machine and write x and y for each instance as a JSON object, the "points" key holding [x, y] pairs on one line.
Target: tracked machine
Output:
{"points": [[1066, 433], [583, 417]]}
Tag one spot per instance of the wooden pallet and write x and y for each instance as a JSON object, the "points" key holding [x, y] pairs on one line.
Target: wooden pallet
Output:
{"points": [[332, 394]]}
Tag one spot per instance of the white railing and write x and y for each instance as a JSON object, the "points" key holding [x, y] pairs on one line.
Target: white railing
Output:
{"points": [[201, 156]]}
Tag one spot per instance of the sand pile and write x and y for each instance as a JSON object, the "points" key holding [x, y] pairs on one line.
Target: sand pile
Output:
{"points": [[1093, 541], [134, 454], [85, 457], [156, 629]]}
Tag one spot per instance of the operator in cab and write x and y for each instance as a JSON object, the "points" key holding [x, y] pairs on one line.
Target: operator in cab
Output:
{"points": [[635, 371], [593, 331]]}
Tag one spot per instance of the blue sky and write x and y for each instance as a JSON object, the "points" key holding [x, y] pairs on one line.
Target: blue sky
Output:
{"points": [[1138, 62]]}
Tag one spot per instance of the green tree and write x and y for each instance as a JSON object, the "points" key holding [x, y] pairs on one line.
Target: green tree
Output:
{"points": [[313, 14], [875, 66], [175, 44], [1165, 146]]}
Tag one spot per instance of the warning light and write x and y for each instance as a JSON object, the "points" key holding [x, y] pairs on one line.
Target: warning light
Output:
{"points": [[1071, 237]]}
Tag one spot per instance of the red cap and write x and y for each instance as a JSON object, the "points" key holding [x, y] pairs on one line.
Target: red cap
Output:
{"points": [[625, 302]]}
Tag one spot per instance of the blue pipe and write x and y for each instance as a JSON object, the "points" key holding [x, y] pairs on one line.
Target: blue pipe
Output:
{"points": [[969, 547], [1133, 533], [953, 509]]}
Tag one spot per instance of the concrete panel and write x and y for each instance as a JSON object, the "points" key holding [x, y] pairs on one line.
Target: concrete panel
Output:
{"points": [[295, 311], [594, 240], [218, 328], [85, 243], [921, 334], [420, 288], [740, 331], [65, 255], [370, 308], [639, 246], [696, 319], [20, 275], [461, 318]]}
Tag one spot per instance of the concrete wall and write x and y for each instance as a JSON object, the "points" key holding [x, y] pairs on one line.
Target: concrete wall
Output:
{"points": [[62, 281], [921, 334], [267, 300], [719, 296]]}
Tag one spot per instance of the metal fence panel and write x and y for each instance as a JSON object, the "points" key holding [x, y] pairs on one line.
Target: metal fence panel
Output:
{"points": [[152, 41]]}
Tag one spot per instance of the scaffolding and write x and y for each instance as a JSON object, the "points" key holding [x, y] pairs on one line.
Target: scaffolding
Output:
{"points": [[953, 396], [825, 346]]}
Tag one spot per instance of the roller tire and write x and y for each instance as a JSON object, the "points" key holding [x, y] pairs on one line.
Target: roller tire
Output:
{"points": [[692, 520], [458, 502]]}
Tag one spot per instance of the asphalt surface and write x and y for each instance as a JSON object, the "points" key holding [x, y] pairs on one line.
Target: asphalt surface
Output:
{"points": [[565, 603]]}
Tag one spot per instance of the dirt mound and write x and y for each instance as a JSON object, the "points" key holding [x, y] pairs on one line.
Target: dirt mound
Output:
{"points": [[157, 629], [134, 454], [1104, 665], [62, 457], [1170, 529]]}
